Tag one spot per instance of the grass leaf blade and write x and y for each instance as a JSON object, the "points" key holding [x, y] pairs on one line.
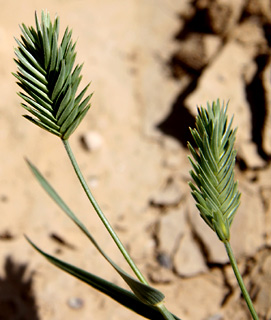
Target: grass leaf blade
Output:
{"points": [[145, 293], [122, 296]]}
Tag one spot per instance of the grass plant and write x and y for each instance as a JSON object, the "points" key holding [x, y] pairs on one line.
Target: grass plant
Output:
{"points": [[49, 80], [215, 191]]}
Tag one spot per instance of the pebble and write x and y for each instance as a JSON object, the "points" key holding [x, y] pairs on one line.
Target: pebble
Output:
{"points": [[75, 303], [93, 181], [92, 140], [215, 317], [164, 260], [169, 195]]}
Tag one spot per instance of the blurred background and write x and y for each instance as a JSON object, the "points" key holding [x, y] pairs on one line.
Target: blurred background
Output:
{"points": [[150, 63]]}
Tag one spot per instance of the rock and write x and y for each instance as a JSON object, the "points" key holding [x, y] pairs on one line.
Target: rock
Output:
{"points": [[93, 181], [248, 152], [260, 282], [186, 9], [170, 144], [142, 246], [164, 260], [188, 260], [222, 15], [248, 227], [230, 276], [211, 45], [223, 79], [92, 140], [266, 80], [235, 308], [172, 161], [202, 4], [216, 316], [197, 50], [176, 243], [169, 195], [160, 275], [214, 249], [172, 227], [260, 8], [266, 199], [251, 35], [247, 230], [75, 303]]}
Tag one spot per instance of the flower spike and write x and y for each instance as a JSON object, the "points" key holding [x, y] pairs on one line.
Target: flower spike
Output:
{"points": [[47, 75], [216, 194]]}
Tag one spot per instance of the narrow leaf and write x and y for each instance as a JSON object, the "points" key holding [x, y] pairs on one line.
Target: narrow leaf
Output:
{"points": [[120, 295], [145, 293], [42, 118], [42, 125]]}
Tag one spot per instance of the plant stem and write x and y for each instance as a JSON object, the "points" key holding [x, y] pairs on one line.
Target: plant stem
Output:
{"points": [[240, 280], [161, 307], [101, 214], [164, 311]]}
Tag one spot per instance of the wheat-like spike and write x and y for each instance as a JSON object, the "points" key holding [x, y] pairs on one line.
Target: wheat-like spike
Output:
{"points": [[47, 75], [215, 191]]}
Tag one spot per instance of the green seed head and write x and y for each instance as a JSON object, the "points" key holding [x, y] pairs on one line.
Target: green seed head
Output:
{"points": [[216, 194], [47, 75]]}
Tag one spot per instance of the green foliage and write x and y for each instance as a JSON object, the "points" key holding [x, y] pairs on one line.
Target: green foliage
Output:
{"points": [[47, 74], [216, 194], [146, 294], [122, 296]]}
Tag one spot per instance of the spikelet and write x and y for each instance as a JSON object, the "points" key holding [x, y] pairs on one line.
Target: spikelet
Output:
{"points": [[47, 75], [215, 191]]}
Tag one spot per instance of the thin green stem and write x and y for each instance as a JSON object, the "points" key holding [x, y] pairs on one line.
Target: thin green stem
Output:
{"points": [[162, 309], [101, 214], [240, 280]]}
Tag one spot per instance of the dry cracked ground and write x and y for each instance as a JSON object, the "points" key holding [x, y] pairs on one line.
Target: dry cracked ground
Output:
{"points": [[151, 63]]}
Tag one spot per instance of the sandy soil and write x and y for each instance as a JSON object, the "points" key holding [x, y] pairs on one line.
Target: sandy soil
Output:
{"points": [[150, 63]]}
